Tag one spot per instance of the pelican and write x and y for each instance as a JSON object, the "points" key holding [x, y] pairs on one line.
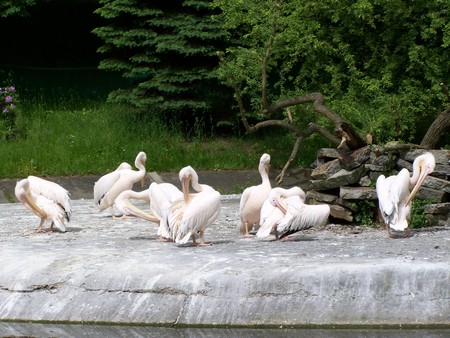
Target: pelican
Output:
{"points": [[127, 209], [46, 199], [124, 179], [106, 182], [197, 211], [253, 197], [271, 214], [394, 198], [162, 197]]}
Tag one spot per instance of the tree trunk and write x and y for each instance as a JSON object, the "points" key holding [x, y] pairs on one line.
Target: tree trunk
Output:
{"points": [[439, 128]]}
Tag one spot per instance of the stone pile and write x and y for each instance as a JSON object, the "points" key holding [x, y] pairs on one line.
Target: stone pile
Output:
{"points": [[346, 180]]}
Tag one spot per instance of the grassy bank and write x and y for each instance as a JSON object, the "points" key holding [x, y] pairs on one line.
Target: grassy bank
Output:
{"points": [[94, 138]]}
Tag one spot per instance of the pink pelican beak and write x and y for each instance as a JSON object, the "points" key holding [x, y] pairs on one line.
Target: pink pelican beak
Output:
{"points": [[28, 201], [424, 172]]}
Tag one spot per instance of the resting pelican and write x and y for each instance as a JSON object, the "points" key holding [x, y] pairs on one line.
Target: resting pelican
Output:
{"points": [[46, 199], [393, 193], [162, 197], [121, 181], [127, 209], [197, 212], [272, 215], [253, 197], [106, 182]]}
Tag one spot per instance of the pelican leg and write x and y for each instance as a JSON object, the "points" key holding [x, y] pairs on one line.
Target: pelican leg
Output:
{"points": [[388, 229], [194, 242], [164, 239], [247, 233], [202, 240], [39, 228], [407, 232], [276, 233]]}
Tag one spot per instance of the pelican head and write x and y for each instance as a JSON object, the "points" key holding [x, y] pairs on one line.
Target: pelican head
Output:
{"points": [[185, 175], [424, 165], [265, 162]]}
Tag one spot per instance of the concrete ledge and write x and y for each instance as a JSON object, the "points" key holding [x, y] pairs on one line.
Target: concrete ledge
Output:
{"points": [[113, 271]]}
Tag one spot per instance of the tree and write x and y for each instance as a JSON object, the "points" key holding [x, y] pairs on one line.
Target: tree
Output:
{"points": [[168, 50], [15, 7], [378, 63]]}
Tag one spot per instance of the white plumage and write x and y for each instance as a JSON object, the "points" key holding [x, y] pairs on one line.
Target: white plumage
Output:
{"points": [[106, 182], [119, 181], [253, 198], [162, 197], [196, 212], [46, 199], [394, 198], [271, 215]]}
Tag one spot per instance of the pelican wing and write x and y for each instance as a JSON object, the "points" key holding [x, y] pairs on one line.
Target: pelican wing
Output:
{"points": [[201, 212], [104, 184], [51, 191]]}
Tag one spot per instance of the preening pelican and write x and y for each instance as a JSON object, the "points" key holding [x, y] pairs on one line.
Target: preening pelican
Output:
{"points": [[46, 199], [197, 212], [394, 198], [106, 182], [253, 197], [272, 215], [119, 181], [162, 197], [127, 209]]}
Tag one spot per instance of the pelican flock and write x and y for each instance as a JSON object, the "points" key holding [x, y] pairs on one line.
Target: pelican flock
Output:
{"points": [[394, 197], [182, 215]]}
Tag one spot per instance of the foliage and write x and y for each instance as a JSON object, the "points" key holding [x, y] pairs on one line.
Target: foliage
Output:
{"points": [[15, 7], [418, 218], [365, 211], [378, 63], [8, 112], [169, 53], [94, 138]]}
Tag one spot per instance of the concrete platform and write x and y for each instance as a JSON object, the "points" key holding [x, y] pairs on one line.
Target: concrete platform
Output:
{"points": [[114, 271]]}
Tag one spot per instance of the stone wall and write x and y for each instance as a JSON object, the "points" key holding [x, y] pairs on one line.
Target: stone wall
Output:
{"points": [[346, 180]]}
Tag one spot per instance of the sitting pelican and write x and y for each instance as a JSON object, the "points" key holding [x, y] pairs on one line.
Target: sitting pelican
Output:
{"points": [[393, 193], [127, 209], [272, 215], [162, 197], [46, 199], [197, 211], [122, 180], [253, 197]]}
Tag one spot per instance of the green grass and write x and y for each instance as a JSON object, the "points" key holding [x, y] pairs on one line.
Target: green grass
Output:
{"points": [[95, 137]]}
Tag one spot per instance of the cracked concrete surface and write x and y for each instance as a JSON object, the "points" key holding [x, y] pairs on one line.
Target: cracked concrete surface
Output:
{"points": [[114, 271]]}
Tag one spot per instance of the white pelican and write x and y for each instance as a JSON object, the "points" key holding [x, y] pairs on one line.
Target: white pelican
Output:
{"points": [[127, 209], [121, 180], [197, 211], [253, 197], [393, 192], [106, 182], [46, 199], [162, 198], [272, 215]]}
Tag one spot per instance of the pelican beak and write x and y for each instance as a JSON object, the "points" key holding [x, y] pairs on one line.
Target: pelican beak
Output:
{"points": [[280, 205], [142, 182], [28, 201], [423, 174]]}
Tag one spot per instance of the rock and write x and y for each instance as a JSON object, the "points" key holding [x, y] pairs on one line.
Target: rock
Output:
{"points": [[355, 158], [342, 177], [339, 212], [441, 156], [326, 170], [358, 193], [437, 214], [331, 153], [437, 196], [313, 196], [365, 181], [437, 184]]}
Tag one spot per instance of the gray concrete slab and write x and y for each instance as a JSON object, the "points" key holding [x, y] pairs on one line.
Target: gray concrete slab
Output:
{"points": [[114, 271]]}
